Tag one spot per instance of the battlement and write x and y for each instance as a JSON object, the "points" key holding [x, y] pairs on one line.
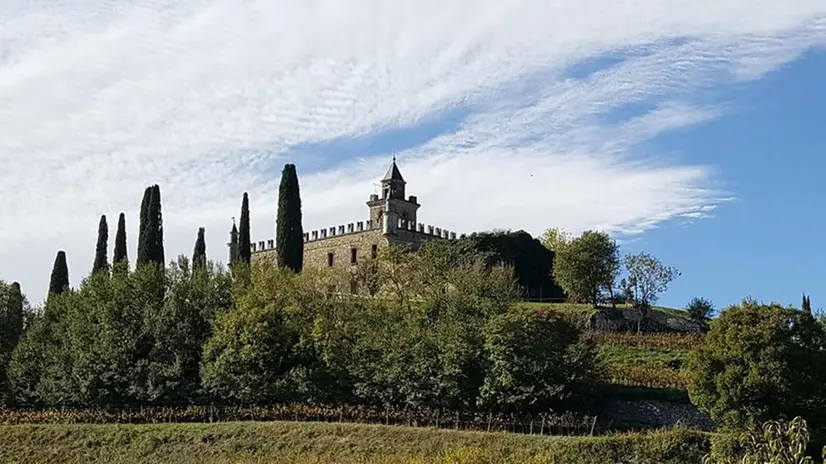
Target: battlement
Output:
{"points": [[360, 227]]}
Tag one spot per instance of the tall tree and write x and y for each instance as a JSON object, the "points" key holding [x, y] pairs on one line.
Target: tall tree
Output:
{"points": [[199, 254], [156, 226], [807, 304], [101, 259], [586, 266], [150, 240], [59, 282], [144, 242], [120, 254], [11, 327], [244, 252], [289, 234]]}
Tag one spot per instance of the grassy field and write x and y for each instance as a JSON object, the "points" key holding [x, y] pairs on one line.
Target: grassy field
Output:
{"points": [[289, 442]]}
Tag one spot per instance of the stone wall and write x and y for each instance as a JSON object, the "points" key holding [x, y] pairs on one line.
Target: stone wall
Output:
{"points": [[316, 252], [628, 319]]}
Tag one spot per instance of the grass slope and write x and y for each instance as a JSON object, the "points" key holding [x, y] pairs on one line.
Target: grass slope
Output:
{"points": [[284, 442]]}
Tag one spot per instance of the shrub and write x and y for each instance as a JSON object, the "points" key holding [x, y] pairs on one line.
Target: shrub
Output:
{"points": [[760, 362], [778, 442], [538, 361], [699, 309]]}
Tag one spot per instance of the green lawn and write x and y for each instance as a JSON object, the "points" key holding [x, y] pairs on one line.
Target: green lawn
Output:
{"points": [[296, 442]]}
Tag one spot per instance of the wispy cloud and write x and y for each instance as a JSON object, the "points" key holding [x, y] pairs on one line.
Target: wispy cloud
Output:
{"points": [[100, 99]]}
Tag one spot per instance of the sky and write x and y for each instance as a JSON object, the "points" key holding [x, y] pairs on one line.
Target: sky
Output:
{"points": [[687, 129]]}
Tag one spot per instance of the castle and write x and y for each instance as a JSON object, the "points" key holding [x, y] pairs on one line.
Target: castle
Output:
{"points": [[393, 220]]}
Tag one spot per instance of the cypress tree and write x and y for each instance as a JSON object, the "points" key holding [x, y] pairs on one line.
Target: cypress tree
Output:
{"points": [[59, 282], [14, 317], [156, 227], [807, 304], [244, 252], [289, 234], [101, 259], [144, 244], [120, 254], [199, 254]]}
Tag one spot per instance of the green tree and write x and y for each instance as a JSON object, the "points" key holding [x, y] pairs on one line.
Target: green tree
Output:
{"points": [[180, 327], [807, 304], [13, 311], [59, 281], [699, 309], [760, 362], [555, 238], [199, 253], [150, 238], [251, 351], [289, 233], [587, 266], [647, 278], [101, 260], [91, 346], [144, 254], [530, 261], [156, 227], [537, 362], [244, 244], [120, 254]]}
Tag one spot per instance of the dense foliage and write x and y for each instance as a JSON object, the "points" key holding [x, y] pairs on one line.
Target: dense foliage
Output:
{"points": [[14, 310], [532, 262], [761, 362], [442, 334], [289, 232], [700, 309], [587, 267]]}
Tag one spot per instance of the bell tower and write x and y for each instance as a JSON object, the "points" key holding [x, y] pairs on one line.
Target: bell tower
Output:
{"points": [[392, 210]]}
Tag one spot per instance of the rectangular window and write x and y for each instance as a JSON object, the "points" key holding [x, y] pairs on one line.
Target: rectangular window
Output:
{"points": [[374, 251], [353, 255], [329, 259], [354, 287]]}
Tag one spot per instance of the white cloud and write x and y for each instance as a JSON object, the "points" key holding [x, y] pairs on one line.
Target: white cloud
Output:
{"points": [[99, 100]]}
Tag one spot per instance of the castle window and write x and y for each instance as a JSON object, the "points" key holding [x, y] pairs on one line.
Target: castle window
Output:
{"points": [[329, 259], [353, 255], [374, 251], [354, 287]]}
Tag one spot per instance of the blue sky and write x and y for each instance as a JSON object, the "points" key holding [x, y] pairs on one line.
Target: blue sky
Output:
{"points": [[685, 128], [769, 150]]}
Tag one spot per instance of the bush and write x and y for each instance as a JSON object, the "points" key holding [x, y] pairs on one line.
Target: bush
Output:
{"points": [[777, 442], [699, 309], [537, 361], [760, 362]]}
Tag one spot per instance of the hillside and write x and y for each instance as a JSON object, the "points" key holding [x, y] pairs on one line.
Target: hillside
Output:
{"points": [[316, 443]]}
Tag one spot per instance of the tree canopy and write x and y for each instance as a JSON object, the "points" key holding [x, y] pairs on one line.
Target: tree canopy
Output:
{"points": [[587, 266], [760, 362]]}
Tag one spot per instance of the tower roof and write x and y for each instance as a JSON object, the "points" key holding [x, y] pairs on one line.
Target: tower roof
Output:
{"points": [[393, 173]]}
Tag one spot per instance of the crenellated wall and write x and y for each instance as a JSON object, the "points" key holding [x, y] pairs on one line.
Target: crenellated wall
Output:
{"points": [[360, 238]]}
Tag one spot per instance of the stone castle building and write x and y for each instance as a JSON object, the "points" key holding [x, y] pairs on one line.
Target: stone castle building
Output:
{"points": [[393, 220]]}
